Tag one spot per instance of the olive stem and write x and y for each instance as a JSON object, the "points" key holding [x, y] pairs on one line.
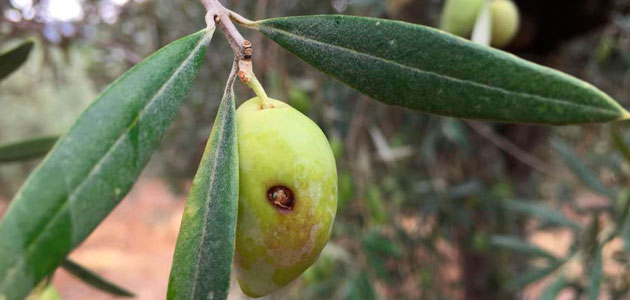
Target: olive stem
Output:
{"points": [[219, 16], [255, 85]]}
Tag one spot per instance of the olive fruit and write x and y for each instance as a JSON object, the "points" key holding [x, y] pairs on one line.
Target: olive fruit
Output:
{"points": [[459, 16], [505, 22], [287, 195]]}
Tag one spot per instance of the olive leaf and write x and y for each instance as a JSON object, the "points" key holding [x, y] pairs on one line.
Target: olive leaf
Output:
{"points": [[621, 211], [361, 288], [431, 71], [544, 213], [205, 246], [516, 244], [94, 279], [92, 167], [11, 60], [554, 289], [581, 171], [595, 274], [530, 276], [618, 141], [28, 149]]}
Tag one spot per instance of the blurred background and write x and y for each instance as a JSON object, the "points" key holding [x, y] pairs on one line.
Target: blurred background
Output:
{"points": [[429, 207]]}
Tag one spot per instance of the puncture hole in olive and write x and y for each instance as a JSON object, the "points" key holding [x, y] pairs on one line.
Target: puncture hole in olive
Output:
{"points": [[281, 197]]}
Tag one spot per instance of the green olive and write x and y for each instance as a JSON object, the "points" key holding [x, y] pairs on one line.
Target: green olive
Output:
{"points": [[459, 16], [287, 195], [44, 292], [505, 22]]}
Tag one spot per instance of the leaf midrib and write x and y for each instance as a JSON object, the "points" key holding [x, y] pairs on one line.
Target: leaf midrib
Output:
{"points": [[20, 261], [449, 78]]}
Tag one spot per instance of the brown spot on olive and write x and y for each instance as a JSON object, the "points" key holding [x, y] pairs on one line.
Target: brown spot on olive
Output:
{"points": [[281, 197]]}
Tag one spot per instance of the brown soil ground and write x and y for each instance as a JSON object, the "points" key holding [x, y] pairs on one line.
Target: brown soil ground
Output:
{"points": [[133, 247]]}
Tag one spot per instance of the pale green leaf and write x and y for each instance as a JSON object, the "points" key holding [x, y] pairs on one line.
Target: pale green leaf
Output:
{"points": [[519, 245], [554, 289], [544, 213], [581, 171], [532, 275]]}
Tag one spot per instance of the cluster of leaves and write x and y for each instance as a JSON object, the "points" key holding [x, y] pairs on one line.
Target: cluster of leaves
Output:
{"points": [[391, 73]]}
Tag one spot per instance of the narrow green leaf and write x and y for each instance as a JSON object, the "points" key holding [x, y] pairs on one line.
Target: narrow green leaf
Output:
{"points": [[595, 275], [589, 241], [94, 279], [544, 213], [374, 241], [622, 210], [379, 249], [374, 203], [92, 167], [465, 189], [11, 60], [618, 141], [554, 289], [431, 71], [581, 171], [530, 276], [205, 247], [516, 244], [361, 288], [25, 150]]}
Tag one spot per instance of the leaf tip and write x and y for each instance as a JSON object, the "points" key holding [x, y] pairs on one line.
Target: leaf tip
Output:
{"points": [[625, 115]]}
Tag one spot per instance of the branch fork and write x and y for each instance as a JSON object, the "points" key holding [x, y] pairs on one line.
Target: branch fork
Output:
{"points": [[219, 16]]}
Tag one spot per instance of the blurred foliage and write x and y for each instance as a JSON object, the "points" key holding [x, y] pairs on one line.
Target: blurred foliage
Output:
{"points": [[429, 208]]}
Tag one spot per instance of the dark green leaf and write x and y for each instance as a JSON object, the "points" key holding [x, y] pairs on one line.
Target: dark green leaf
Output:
{"points": [[590, 237], [530, 276], [379, 248], [205, 246], [622, 210], [595, 275], [361, 288], [28, 149], [466, 189], [554, 289], [94, 279], [374, 241], [542, 212], [618, 141], [428, 70], [581, 171], [516, 244], [377, 265], [374, 203], [14, 58], [93, 166]]}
